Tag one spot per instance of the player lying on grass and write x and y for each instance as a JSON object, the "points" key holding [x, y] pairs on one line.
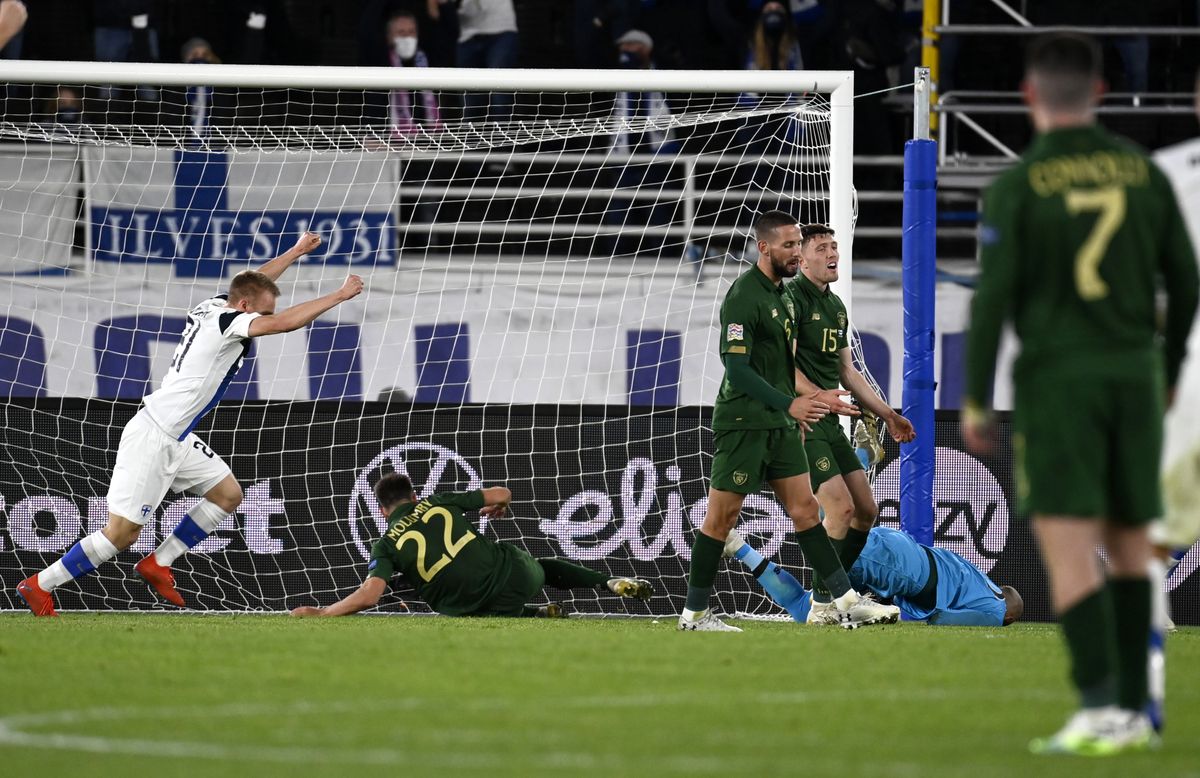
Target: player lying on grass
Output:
{"points": [[456, 571], [928, 584], [158, 450]]}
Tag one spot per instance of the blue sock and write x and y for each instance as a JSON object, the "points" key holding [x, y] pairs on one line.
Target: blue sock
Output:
{"points": [[189, 532], [1157, 659], [779, 584], [76, 561], [748, 556]]}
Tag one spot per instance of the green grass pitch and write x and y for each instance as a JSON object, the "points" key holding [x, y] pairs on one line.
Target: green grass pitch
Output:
{"points": [[164, 695]]}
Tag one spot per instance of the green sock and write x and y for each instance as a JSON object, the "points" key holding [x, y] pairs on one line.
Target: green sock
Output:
{"points": [[565, 575], [1131, 614], [856, 541], [1089, 631], [706, 555], [820, 590], [818, 550]]}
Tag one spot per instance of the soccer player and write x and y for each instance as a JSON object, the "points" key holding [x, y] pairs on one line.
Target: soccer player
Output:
{"points": [[1180, 527], [158, 450], [928, 584], [823, 362], [1181, 444], [456, 571], [756, 430], [1075, 237]]}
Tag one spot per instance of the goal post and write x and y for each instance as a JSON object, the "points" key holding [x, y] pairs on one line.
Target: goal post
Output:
{"points": [[542, 305]]}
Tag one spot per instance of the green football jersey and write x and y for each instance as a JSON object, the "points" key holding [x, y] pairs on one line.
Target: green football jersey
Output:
{"points": [[757, 319], [1076, 239], [822, 332], [436, 549]]}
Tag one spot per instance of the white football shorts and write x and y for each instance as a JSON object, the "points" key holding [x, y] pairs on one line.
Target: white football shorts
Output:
{"points": [[1181, 458], [150, 462]]}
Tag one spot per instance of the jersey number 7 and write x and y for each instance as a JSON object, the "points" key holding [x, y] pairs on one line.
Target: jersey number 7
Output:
{"points": [[1109, 203]]}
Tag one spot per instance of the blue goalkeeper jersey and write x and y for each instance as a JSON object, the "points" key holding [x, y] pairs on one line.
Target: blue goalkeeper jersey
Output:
{"points": [[895, 566]]}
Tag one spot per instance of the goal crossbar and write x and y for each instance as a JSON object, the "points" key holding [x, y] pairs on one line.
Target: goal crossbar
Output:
{"points": [[485, 79]]}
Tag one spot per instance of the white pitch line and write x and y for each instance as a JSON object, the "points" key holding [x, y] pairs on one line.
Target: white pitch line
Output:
{"points": [[14, 731]]}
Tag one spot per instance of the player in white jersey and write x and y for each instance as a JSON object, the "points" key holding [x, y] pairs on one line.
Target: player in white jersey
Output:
{"points": [[1180, 526], [1181, 430], [159, 451]]}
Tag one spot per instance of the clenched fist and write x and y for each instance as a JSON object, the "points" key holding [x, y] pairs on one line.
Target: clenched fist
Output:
{"points": [[307, 242], [352, 287]]}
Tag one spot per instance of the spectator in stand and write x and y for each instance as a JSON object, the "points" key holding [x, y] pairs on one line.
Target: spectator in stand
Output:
{"points": [[596, 24], [410, 113], [640, 117], [635, 50], [406, 114], [773, 44], [811, 22], [66, 107], [487, 38], [866, 41], [253, 49], [199, 99], [124, 32], [12, 20]]}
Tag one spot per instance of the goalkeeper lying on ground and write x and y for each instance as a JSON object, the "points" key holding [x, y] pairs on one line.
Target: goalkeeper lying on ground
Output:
{"points": [[456, 571], [928, 584]]}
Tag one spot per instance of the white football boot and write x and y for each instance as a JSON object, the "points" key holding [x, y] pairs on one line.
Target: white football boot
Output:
{"points": [[854, 611], [705, 621]]}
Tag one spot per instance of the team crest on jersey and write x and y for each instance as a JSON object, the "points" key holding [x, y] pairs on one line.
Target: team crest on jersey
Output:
{"points": [[734, 332], [774, 313], [816, 316], [740, 478], [791, 309], [823, 464]]}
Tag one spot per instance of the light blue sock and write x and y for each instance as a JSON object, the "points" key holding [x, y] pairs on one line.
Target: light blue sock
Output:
{"points": [[748, 556], [780, 585]]}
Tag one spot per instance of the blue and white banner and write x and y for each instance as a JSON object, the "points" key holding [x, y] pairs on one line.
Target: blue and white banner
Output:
{"points": [[212, 213], [439, 337]]}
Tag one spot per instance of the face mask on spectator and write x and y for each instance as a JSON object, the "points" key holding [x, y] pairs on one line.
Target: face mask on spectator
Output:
{"points": [[406, 47], [773, 23]]}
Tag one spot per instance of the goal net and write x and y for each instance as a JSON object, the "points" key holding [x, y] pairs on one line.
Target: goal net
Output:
{"points": [[545, 255]]}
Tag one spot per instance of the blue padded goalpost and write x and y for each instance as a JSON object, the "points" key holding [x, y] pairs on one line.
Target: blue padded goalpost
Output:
{"points": [[919, 267]]}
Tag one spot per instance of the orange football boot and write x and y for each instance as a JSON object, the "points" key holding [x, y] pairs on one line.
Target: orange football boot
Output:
{"points": [[160, 579], [40, 601]]}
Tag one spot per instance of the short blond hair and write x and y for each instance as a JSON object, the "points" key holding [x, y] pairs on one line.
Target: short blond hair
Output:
{"points": [[249, 284]]}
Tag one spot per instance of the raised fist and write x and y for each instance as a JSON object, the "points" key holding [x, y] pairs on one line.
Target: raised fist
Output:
{"points": [[352, 287], [308, 242]]}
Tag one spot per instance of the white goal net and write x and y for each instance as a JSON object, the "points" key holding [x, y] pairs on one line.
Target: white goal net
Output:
{"points": [[545, 255]]}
